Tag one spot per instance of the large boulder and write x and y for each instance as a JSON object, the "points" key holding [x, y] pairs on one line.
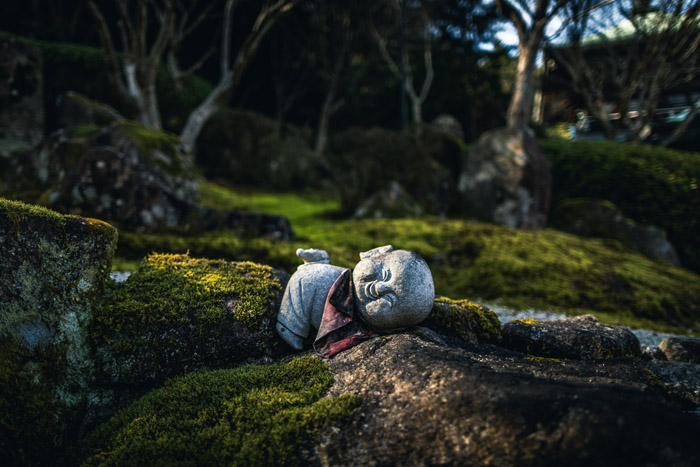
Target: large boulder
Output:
{"points": [[581, 337], [598, 218], [21, 96], [681, 349], [177, 314], [52, 272], [75, 109], [507, 179], [476, 404]]}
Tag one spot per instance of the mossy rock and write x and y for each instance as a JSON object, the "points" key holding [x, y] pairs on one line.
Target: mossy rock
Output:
{"points": [[176, 314], [52, 273], [464, 320], [252, 415]]}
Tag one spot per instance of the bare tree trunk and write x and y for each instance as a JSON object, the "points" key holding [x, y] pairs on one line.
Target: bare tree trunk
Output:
{"points": [[230, 72], [520, 108]]}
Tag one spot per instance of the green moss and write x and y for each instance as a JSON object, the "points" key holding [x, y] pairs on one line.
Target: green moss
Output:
{"points": [[32, 430], [150, 140], [18, 212], [175, 313], [252, 415], [517, 268], [85, 130], [463, 319]]}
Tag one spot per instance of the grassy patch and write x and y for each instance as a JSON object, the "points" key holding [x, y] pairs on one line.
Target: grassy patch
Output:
{"points": [[252, 415], [518, 268]]}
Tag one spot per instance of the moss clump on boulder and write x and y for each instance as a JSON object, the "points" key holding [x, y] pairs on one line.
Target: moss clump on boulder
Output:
{"points": [[177, 313], [252, 415], [463, 319], [52, 271]]}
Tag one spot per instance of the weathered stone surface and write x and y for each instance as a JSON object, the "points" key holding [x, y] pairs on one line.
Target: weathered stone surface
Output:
{"points": [[681, 349], [476, 404], [581, 337], [390, 202], [52, 271], [681, 380], [76, 109], [597, 218], [507, 179], [21, 96]]}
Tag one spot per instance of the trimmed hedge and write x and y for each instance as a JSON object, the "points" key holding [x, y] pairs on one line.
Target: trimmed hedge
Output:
{"points": [[650, 184]]}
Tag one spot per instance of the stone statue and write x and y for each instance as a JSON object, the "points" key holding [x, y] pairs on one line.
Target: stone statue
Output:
{"points": [[388, 289]]}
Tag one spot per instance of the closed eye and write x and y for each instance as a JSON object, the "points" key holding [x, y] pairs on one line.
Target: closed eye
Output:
{"points": [[386, 275]]}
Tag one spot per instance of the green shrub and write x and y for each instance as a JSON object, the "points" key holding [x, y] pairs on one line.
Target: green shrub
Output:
{"points": [[252, 415], [651, 185]]}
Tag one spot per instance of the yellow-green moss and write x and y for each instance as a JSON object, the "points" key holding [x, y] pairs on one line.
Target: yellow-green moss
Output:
{"points": [[463, 319], [175, 313], [252, 415], [149, 140], [527, 321], [535, 358], [17, 212]]}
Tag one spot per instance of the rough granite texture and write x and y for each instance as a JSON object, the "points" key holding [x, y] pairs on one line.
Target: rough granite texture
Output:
{"points": [[507, 179], [52, 271], [477, 404], [581, 337]]}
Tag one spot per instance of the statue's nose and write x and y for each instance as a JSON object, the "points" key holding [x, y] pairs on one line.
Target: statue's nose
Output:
{"points": [[382, 288]]}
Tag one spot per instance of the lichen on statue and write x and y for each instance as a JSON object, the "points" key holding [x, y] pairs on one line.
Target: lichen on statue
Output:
{"points": [[387, 290]]}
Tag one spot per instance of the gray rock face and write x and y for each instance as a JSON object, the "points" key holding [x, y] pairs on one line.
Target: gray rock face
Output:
{"points": [[596, 218], [681, 349], [391, 202], [507, 179], [450, 125], [52, 271], [21, 97], [581, 337], [476, 404], [681, 380]]}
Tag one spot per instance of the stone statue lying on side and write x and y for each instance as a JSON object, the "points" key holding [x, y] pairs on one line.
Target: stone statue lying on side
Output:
{"points": [[388, 289]]}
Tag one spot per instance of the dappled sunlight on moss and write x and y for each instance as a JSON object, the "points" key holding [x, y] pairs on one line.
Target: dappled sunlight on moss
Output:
{"points": [[252, 415]]}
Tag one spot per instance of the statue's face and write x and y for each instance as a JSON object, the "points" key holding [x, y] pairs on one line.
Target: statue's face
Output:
{"points": [[393, 289]]}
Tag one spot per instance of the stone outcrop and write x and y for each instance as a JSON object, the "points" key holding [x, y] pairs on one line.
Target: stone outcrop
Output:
{"points": [[21, 97], [52, 272], [477, 404], [602, 219], [199, 314], [581, 337], [507, 179], [681, 349]]}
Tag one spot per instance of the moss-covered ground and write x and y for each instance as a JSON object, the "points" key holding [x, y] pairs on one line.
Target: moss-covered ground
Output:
{"points": [[517, 268], [252, 415]]}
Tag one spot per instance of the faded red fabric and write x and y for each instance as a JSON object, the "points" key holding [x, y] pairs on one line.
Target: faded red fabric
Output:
{"points": [[341, 327]]}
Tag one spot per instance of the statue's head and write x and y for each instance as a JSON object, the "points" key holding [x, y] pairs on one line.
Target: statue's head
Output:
{"points": [[394, 288]]}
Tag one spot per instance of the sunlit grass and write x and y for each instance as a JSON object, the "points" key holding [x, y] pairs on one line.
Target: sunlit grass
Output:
{"points": [[518, 268]]}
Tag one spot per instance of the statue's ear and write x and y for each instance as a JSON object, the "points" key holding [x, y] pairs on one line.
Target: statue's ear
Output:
{"points": [[380, 250]]}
